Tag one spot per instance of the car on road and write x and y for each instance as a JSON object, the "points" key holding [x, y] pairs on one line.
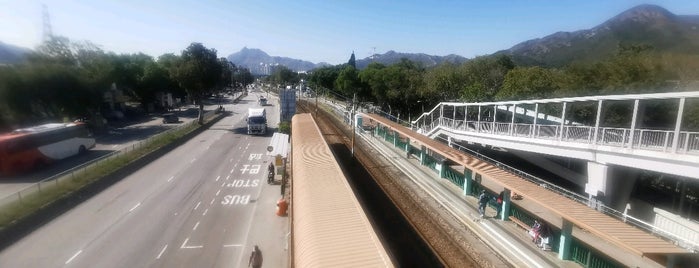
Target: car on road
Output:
{"points": [[170, 118]]}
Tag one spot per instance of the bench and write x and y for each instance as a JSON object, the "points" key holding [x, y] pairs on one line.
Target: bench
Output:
{"points": [[521, 224]]}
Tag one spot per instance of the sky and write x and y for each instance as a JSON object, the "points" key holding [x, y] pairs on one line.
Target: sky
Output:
{"points": [[317, 31]]}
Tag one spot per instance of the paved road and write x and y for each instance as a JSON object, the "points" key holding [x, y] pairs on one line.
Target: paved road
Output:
{"points": [[193, 207], [116, 138]]}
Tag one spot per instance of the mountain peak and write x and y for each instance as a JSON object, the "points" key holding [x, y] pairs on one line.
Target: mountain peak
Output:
{"points": [[644, 14]]}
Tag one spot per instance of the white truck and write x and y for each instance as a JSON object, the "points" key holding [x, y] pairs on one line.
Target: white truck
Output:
{"points": [[257, 121]]}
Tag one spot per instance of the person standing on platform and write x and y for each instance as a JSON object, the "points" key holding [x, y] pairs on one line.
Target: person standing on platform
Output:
{"points": [[499, 200], [482, 202]]}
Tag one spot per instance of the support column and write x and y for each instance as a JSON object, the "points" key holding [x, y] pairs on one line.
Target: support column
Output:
{"points": [[512, 123], [536, 117], [442, 170], [469, 177], [407, 147], [633, 123], [597, 118], [566, 240], [563, 121], [505, 211], [423, 154], [596, 186], [395, 138], [678, 124]]}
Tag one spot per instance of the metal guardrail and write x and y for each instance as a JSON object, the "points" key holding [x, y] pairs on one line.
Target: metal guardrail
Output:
{"points": [[68, 175]]}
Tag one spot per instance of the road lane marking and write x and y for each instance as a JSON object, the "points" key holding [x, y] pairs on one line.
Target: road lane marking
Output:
{"points": [[161, 252], [170, 179], [195, 207], [232, 170], [222, 184], [219, 191], [217, 178], [195, 226], [212, 200], [205, 211], [184, 244], [76, 254], [192, 161], [228, 177], [232, 245], [134, 207]]}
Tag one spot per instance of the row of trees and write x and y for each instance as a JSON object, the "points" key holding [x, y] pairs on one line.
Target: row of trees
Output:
{"points": [[64, 80], [407, 87]]}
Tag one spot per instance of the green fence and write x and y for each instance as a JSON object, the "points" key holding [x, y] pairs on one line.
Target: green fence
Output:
{"points": [[430, 162], [454, 177], [580, 254], [401, 144]]}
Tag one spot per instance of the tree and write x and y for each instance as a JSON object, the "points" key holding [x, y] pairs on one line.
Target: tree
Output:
{"points": [[529, 83], [352, 62], [348, 81], [198, 72]]}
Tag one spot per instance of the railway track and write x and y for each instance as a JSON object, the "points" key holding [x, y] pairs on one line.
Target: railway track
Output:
{"points": [[414, 231]]}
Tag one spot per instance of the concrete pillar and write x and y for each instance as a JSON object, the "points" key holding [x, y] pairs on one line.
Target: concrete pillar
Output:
{"points": [[596, 185], [442, 170], [610, 186], [423, 155], [469, 177], [395, 138], [566, 240], [506, 202], [407, 147]]}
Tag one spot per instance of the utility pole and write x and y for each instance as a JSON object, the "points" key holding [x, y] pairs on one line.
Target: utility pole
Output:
{"points": [[354, 100], [47, 23]]}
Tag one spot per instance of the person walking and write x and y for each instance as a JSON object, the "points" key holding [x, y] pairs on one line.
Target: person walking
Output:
{"points": [[482, 202], [255, 258]]}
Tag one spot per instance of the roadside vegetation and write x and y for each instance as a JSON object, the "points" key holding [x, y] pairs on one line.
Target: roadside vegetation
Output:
{"points": [[63, 80]]}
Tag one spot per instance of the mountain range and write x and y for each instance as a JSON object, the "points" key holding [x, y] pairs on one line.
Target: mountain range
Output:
{"points": [[647, 25], [11, 54]]}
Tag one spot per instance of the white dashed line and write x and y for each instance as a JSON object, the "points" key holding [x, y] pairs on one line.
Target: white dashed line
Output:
{"points": [[228, 177], [134, 207], [195, 226], [205, 211], [218, 192], [76, 254], [217, 178], [170, 179], [222, 184], [212, 201], [232, 170], [232, 245], [195, 207], [161, 252]]}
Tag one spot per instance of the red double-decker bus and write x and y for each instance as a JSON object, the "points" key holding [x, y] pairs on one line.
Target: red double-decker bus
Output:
{"points": [[27, 148]]}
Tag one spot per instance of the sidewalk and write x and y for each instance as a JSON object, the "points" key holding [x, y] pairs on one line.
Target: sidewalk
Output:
{"points": [[503, 237]]}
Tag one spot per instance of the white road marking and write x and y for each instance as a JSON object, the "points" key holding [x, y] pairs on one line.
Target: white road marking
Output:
{"points": [[208, 147], [115, 145], [134, 207], [212, 200], [195, 226], [232, 171], [218, 192], [195, 207], [217, 178], [184, 244], [205, 211], [222, 184], [228, 177], [76, 254], [192, 161], [170, 179], [161, 252], [232, 245]]}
